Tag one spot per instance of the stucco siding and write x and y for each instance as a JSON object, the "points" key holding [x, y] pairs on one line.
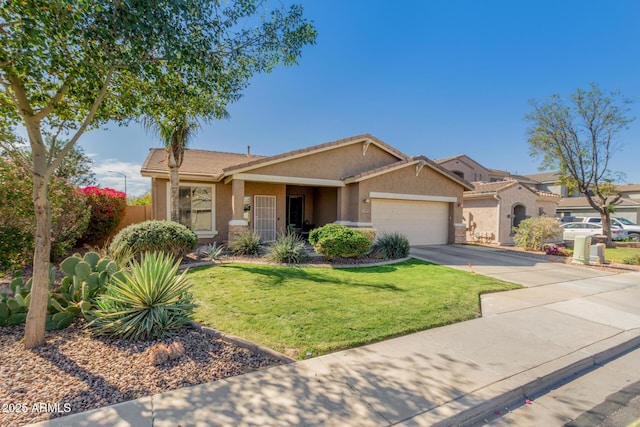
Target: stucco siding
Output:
{"points": [[405, 181], [331, 164], [470, 172], [480, 216], [325, 207]]}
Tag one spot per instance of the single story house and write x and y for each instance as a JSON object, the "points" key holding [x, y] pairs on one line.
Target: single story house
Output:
{"points": [[492, 209], [358, 181]]}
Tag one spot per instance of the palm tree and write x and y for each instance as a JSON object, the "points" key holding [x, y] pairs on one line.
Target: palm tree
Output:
{"points": [[175, 133]]}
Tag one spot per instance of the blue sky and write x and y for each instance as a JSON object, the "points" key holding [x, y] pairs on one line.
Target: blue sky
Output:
{"points": [[437, 78]]}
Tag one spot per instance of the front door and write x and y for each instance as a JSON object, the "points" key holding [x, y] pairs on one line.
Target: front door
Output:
{"points": [[264, 217], [295, 215]]}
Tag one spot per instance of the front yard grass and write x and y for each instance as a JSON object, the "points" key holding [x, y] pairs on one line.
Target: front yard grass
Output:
{"points": [[319, 310], [620, 254]]}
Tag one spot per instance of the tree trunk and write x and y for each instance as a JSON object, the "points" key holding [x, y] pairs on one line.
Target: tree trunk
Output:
{"points": [[36, 317], [175, 193], [606, 226]]}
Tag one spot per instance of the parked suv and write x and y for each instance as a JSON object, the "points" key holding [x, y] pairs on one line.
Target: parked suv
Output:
{"points": [[625, 224]]}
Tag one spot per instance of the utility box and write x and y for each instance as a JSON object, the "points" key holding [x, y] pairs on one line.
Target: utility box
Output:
{"points": [[597, 253], [582, 250]]}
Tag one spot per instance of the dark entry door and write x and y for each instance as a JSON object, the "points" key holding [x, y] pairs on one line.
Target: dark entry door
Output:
{"points": [[295, 208]]}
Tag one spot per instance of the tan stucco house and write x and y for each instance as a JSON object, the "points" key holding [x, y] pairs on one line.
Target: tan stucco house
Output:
{"points": [[498, 201], [491, 210], [358, 181]]}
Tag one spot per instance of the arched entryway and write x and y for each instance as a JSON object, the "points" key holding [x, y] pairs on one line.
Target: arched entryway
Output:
{"points": [[518, 213]]}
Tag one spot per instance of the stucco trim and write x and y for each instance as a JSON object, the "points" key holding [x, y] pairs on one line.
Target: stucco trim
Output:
{"points": [[277, 179], [415, 197], [238, 222]]}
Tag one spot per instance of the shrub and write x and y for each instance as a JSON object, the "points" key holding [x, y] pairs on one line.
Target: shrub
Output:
{"points": [[368, 232], [247, 243], [144, 200], [632, 260], [212, 251], [153, 236], [533, 233], [392, 246], [108, 207], [150, 301], [334, 240], [69, 216], [288, 248]]}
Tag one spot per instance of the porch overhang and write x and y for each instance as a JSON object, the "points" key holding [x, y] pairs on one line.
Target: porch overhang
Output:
{"points": [[278, 179]]}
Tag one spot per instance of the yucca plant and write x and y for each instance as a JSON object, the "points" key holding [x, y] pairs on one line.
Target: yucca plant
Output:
{"points": [[247, 243], [149, 301], [392, 246], [288, 248]]}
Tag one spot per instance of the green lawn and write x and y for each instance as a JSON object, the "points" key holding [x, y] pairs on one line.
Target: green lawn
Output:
{"points": [[320, 310], [619, 254]]}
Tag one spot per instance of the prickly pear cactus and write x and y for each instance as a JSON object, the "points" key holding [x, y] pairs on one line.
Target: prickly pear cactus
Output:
{"points": [[86, 278]]}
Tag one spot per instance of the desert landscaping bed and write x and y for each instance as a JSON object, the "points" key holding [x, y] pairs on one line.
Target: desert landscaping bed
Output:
{"points": [[75, 372]]}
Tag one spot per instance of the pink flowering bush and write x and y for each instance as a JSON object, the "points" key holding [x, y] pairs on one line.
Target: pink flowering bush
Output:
{"points": [[108, 207], [69, 216]]}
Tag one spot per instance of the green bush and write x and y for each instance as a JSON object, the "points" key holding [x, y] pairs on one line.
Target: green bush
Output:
{"points": [[392, 246], [247, 243], [338, 241], [16, 246], [69, 216], [150, 301], [153, 236], [288, 248], [368, 232], [108, 207], [533, 233], [632, 260]]}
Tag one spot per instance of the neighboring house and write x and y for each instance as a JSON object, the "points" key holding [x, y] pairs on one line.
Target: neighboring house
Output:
{"points": [[498, 201], [579, 206], [574, 204], [358, 181], [491, 210]]}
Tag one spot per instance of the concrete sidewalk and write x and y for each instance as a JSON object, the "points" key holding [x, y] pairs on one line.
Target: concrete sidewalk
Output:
{"points": [[568, 319]]}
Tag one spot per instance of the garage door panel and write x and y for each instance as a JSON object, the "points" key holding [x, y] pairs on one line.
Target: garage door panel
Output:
{"points": [[424, 223]]}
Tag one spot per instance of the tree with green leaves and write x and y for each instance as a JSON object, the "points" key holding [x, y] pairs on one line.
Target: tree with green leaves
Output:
{"points": [[579, 139], [67, 67], [76, 168]]}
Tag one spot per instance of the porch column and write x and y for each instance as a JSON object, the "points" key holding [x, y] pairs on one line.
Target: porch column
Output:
{"points": [[237, 225], [342, 205]]}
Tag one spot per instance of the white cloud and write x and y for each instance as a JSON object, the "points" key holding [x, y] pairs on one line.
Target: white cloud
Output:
{"points": [[109, 174]]}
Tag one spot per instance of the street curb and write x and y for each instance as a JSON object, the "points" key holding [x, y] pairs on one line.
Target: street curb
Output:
{"points": [[240, 342], [514, 391]]}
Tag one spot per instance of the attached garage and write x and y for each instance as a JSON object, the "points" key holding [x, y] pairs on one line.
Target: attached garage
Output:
{"points": [[423, 222]]}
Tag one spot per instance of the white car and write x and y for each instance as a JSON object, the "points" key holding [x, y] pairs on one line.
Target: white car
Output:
{"points": [[632, 229], [572, 229]]}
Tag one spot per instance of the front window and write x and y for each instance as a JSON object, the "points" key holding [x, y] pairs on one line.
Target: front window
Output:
{"points": [[196, 207]]}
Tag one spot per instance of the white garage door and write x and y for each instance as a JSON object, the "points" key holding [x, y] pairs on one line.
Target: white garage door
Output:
{"points": [[424, 223]]}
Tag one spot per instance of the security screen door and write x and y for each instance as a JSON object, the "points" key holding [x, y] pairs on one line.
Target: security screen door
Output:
{"points": [[264, 217]]}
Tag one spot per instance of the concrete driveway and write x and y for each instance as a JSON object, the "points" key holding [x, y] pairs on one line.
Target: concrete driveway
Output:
{"points": [[503, 264], [563, 288]]}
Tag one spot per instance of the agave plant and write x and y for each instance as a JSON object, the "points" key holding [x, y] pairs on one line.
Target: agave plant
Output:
{"points": [[149, 301]]}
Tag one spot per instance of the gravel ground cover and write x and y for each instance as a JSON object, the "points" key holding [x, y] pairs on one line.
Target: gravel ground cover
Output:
{"points": [[75, 372]]}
